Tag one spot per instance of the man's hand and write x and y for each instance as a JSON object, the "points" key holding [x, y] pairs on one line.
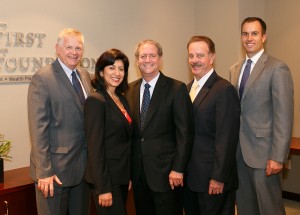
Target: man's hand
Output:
{"points": [[273, 167], [215, 187], [105, 200], [175, 179], [129, 185], [45, 185]]}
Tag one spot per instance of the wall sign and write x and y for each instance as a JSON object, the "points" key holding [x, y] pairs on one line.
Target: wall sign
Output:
{"points": [[15, 69]]}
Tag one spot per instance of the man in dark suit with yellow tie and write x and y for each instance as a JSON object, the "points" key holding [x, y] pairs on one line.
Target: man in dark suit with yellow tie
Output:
{"points": [[162, 137], [212, 171]]}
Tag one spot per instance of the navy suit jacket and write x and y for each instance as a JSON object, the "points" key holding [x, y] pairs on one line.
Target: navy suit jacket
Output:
{"points": [[217, 121], [166, 140]]}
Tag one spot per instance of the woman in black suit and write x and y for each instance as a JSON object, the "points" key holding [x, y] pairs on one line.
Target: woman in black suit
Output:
{"points": [[108, 126]]}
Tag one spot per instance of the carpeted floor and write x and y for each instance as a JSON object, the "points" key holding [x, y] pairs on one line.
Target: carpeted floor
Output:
{"points": [[291, 207]]}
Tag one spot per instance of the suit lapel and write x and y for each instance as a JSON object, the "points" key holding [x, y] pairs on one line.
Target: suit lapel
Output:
{"points": [[236, 74], [157, 96], [66, 83], [85, 82], [115, 109], [125, 104], [204, 90], [256, 71], [136, 102]]}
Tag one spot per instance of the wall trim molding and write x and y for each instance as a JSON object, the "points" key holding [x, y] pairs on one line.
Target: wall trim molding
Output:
{"points": [[291, 196]]}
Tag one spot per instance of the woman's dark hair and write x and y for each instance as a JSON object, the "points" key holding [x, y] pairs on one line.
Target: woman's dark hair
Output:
{"points": [[106, 59]]}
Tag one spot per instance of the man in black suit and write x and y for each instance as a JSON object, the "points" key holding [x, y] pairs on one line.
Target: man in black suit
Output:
{"points": [[162, 140], [212, 170]]}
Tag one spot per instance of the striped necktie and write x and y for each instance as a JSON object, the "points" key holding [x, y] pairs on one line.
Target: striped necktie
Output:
{"points": [[145, 104], [78, 88]]}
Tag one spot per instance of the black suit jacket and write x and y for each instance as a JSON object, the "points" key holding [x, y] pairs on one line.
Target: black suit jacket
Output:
{"points": [[108, 134], [217, 121], [166, 140]]}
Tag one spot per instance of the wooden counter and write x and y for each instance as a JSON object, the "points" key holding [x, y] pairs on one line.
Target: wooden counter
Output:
{"points": [[17, 195], [295, 146]]}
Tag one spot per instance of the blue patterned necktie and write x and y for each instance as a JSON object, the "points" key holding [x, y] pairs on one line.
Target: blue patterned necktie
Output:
{"points": [[78, 88], [245, 77], [145, 104]]}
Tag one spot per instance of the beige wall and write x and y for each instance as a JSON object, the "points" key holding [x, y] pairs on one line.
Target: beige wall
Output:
{"points": [[220, 23], [283, 20], [105, 24], [121, 24], [283, 36]]}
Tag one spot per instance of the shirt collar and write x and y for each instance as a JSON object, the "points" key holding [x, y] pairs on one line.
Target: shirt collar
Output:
{"points": [[202, 80], [255, 57], [152, 83], [67, 70]]}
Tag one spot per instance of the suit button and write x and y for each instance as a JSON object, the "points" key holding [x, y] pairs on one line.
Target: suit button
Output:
{"points": [[142, 140]]}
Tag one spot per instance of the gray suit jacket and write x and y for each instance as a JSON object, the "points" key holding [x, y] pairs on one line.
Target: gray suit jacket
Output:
{"points": [[56, 126], [267, 111]]}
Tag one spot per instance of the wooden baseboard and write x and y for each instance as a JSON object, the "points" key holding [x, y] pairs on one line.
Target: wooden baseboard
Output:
{"points": [[291, 196]]}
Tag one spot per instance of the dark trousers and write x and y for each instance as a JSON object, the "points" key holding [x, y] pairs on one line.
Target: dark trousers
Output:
{"points": [[204, 204], [119, 194], [66, 200], [148, 202]]}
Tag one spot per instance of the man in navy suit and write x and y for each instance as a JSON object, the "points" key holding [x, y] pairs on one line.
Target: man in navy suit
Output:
{"points": [[212, 171], [161, 145]]}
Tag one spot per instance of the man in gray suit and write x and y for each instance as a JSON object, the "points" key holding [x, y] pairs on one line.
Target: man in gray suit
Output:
{"points": [[266, 123], [55, 114]]}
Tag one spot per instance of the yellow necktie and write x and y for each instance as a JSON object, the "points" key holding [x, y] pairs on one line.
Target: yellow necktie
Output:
{"points": [[194, 90]]}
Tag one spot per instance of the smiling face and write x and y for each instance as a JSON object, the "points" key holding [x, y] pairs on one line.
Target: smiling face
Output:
{"points": [[113, 75], [70, 51], [200, 59], [252, 38], [148, 61]]}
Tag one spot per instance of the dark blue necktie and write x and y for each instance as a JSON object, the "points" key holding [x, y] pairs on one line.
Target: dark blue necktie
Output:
{"points": [[145, 104], [78, 88], [245, 77]]}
